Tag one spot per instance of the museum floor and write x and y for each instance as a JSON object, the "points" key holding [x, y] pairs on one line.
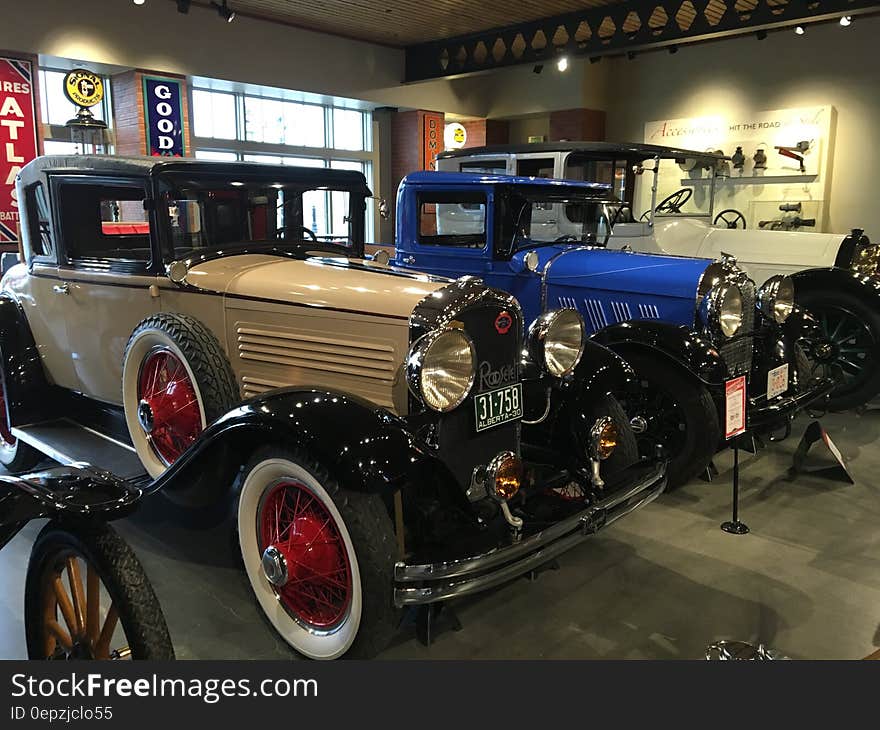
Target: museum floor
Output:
{"points": [[661, 584]]}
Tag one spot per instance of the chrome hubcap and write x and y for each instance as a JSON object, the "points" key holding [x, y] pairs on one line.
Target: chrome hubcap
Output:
{"points": [[274, 566], [145, 416]]}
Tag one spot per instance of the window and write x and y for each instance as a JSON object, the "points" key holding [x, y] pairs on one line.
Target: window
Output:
{"points": [[39, 221], [56, 110], [348, 129], [611, 172], [105, 223], [214, 155], [453, 219], [491, 167], [214, 115], [540, 167], [543, 219]]}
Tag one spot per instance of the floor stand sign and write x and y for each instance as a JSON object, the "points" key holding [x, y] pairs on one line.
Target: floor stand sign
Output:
{"points": [[734, 428]]}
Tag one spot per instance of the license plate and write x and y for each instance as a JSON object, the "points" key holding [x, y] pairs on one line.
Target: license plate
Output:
{"points": [[777, 381], [498, 406]]}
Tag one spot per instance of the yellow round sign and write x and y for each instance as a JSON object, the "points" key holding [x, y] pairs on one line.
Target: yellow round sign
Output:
{"points": [[83, 88]]}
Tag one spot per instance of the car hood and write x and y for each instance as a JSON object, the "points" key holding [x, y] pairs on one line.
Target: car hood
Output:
{"points": [[625, 271], [348, 285]]}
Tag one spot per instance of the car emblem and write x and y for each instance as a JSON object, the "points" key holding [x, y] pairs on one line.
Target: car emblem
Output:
{"points": [[503, 323]]}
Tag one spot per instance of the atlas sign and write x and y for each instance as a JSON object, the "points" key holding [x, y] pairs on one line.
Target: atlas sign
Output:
{"points": [[18, 138], [164, 117]]}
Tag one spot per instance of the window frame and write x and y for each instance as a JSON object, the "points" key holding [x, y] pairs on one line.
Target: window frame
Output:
{"points": [[58, 181], [453, 193]]}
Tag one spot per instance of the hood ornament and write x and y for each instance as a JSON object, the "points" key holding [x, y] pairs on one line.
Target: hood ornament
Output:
{"points": [[728, 259]]}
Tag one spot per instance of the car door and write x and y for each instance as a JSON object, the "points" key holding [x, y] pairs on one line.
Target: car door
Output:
{"points": [[107, 270]]}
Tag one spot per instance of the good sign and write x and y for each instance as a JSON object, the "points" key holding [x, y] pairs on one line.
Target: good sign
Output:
{"points": [[162, 108], [18, 141]]}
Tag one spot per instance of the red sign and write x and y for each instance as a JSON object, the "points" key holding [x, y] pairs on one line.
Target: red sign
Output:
{"points": [[735, 407], [18, 137], [432, 137]]}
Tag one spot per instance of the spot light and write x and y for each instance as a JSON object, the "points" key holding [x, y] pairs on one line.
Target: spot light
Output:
{"points": [[799, 30], [673, 50], [141, 2], [595, 59], [183, 6], [562, 63], [224, 11], [761, 35], [538, 68], [846, 20], [630, 55]]}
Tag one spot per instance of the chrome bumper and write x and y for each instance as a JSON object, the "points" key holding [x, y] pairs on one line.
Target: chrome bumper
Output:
{"points": [[432, 582]]}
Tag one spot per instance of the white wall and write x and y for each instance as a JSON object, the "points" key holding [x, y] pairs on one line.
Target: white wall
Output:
{"points": [[829, 65]]}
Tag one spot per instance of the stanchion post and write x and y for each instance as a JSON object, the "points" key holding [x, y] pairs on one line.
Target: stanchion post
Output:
{"points": [[734, 526]]}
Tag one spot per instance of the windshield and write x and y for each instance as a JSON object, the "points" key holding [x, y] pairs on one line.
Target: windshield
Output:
{"points": [[549, 219], [206, 215]]}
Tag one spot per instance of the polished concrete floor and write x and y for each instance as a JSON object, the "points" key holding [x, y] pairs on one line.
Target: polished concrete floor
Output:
{"points": [[661, 584]]}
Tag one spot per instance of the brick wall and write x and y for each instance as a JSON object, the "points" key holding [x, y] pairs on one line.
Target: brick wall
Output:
{"points": [[481, 132], [577, 124]]}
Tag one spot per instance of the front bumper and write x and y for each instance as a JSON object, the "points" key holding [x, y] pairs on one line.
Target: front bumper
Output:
{"points": [[432, 582], [768, 416]]}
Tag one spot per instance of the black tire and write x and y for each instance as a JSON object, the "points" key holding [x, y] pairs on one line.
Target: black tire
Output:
{"points": [[213, 379], [17, 456], [827, 306], [375, 550], [123, 578], [627, 451], [680, 414]]}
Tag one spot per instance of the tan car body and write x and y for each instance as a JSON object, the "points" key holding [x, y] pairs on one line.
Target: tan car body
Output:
{"points": [[337, 324]]}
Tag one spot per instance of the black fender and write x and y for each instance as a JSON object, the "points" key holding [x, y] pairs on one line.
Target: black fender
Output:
{"points": [[674, 343], [866, 288], [27, 388], [364, 446]]}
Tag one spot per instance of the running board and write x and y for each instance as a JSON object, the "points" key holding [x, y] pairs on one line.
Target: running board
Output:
{"points": [[68, 442]]}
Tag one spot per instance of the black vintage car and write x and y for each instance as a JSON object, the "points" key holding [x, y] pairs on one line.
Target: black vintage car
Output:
{"points": [[392, 439]]}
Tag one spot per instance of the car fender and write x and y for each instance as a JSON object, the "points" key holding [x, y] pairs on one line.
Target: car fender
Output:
{"points": [[866, 288], [27, 388], [674, 343], [364, 446]]}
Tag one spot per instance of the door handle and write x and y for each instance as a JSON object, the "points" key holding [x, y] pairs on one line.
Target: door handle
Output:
{"points": [[61, 288], [409, 259]]}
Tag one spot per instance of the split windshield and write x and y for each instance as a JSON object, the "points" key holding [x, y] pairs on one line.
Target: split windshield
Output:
{"points": [[204, 215], [545, 219]]}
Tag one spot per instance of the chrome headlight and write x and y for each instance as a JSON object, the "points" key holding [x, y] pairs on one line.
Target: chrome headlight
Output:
{"points": [[441, 369], [722, 309], [556, 339], [776, 298]]}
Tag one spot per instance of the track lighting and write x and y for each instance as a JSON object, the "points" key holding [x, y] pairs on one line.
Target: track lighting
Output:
{"points": [[761, 35], [673, 50], [799, 30], [562, 63], [538, 68], [595, 59], [846, 20], [183, 6], [630, 55], [224, 11]]}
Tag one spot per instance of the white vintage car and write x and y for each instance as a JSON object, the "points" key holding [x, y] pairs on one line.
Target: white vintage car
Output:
{"points": [[835, 274]]}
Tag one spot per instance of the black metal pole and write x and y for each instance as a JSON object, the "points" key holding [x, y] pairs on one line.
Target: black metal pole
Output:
{"points": [[735, 527]]}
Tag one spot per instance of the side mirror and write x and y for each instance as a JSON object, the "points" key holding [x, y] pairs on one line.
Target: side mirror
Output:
{"points": [[383, 209], [530, 261]]}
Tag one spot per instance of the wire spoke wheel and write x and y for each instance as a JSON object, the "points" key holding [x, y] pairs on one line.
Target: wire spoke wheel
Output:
{"points": [[6, 436], [168, 407], [313, 581], [845, 350], [79, 619]]}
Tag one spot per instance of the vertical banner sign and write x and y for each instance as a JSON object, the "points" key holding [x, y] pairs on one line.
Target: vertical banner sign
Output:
{"points": [[163, 110], [735, 407], [18, 137], [432, 134]]}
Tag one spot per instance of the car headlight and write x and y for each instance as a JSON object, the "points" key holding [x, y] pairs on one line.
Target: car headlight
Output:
{"points": [[722, 309], [776, 298], [441, 369], [556, 339]]}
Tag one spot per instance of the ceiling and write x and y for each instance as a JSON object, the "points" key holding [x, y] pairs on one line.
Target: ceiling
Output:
{"points": [[406, 22]]}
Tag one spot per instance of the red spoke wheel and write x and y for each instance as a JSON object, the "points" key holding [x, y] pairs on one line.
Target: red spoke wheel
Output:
{"points": [[168, 407], [304, 556]]}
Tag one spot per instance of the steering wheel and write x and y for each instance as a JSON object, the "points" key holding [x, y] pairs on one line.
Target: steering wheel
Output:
{"points": [[674, 203], [308, 231], [567, 238], [731, 218]]}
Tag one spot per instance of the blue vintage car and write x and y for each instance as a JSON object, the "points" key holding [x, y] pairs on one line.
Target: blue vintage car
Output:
{"points": [[688, 326]]}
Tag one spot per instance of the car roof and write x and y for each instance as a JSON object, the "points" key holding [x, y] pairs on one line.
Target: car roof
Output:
{"points": [[430, 177], [144, 166], [599, 150]]}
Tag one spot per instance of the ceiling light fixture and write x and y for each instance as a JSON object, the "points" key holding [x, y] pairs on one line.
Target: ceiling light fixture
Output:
{"points": [[631, 55], [224, 11], [673, 50], [141, 2], [595, 59], [562, 63], [761, 35], [799, 29], [183, 6], [846, 20], [538, 68]]}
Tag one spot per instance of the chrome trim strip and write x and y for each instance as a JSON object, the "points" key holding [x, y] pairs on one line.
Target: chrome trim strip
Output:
{"points": [[546, 271]]}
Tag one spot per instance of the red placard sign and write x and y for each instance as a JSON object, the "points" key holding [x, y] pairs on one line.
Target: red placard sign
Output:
{"points": [[735, 407], [18, 137]]}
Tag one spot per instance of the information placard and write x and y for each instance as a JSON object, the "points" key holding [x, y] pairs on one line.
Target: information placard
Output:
{"points": [[735, 407]]}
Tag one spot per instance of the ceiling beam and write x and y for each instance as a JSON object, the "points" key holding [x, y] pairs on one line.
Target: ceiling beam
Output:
{"points": [[616, 29]]}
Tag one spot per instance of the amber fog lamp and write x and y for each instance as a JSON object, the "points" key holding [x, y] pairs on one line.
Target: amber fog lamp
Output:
{"points": [[604, 438], [504, 476]]}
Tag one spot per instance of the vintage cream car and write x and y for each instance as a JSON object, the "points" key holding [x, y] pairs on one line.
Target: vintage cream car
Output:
{"points": [[391, 438], [835, 274]]}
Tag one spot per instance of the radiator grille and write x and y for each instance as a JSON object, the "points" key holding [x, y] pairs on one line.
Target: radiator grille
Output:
{"points": [[321, 353]]}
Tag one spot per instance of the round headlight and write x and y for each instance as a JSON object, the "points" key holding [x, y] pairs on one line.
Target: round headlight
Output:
{"points": [[776, 298], [730, 310], [556, 339], [441, 369]]}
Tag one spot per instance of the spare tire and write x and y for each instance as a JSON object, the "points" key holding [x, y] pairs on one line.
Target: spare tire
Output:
{"points": [[176, 379]]}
